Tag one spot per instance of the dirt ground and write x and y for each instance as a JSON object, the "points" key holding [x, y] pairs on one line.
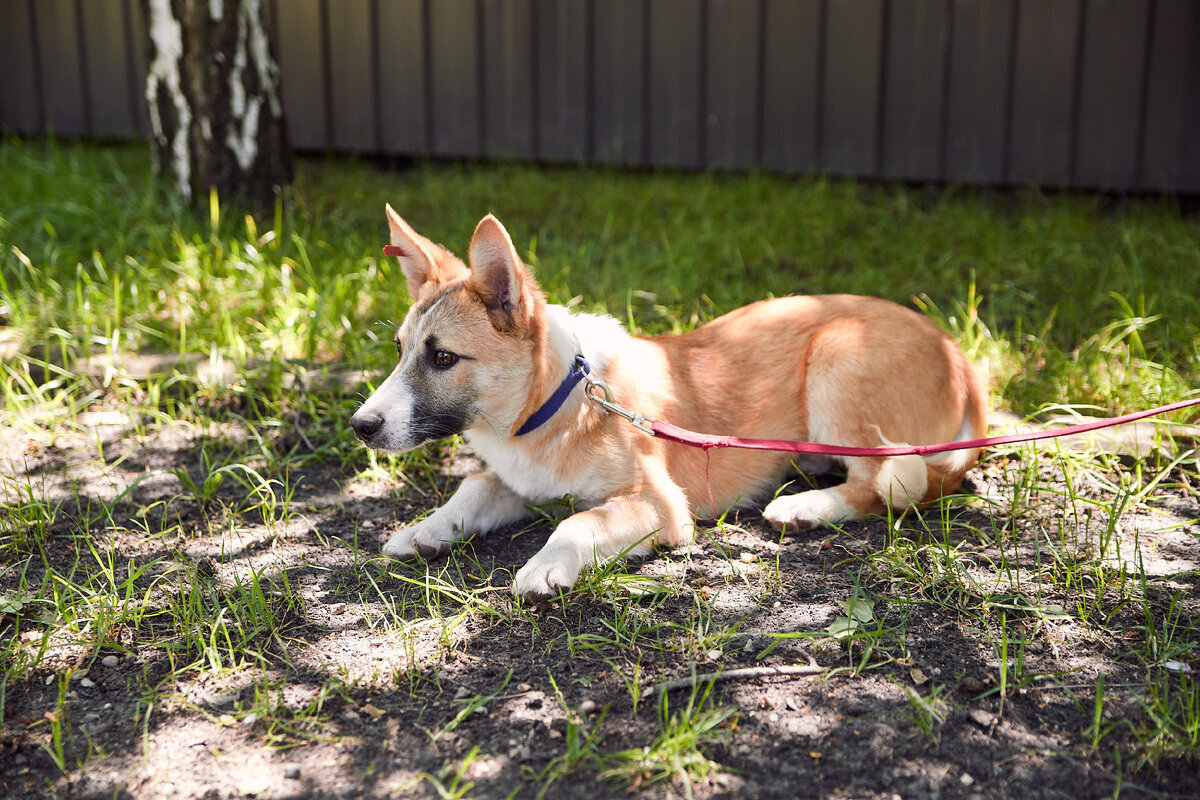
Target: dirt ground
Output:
{"points": [[403, 695]]}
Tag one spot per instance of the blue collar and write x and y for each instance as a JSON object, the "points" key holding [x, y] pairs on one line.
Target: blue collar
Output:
{"points": [[579, 368]]}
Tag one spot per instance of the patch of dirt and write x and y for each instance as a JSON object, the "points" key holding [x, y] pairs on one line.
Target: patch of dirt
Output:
{"points": [[378, 683]]}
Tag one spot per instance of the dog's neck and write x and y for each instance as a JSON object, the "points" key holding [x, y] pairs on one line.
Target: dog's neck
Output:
{"points": [[590, 335]]}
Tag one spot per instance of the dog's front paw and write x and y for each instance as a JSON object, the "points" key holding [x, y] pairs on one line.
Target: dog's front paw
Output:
{"points": [[426, 539], [545, 575]]}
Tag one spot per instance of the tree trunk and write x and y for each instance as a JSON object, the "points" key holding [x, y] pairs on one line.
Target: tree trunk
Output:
{"points": [[213, 90]]}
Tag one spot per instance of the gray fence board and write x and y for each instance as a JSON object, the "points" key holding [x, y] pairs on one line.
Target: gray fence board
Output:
{"points": [[1044, 92], [676, 132], [509, 53], [1171, 148], [979, 85], [455, 91], [914, 89], [352, 76], [1110, 93], [302, 63], [1090, 93], [106, 51], [733, 103], [619, 88], [790, 93], [562, 79], [850, 109], [20, 94], [135, 32], [64, 96], [405, 124]]}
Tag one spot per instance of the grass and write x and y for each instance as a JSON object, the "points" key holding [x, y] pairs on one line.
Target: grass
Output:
{"points": [[229, 342]]}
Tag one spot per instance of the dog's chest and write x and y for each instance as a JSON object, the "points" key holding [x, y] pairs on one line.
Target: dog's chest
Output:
{"points": [[536, 482]]}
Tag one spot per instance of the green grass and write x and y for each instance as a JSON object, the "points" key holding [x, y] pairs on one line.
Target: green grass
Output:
{"points": [[252, 328]]}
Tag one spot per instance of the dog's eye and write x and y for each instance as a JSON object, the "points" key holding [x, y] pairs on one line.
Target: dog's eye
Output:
{"points": [[399, 350], [444, 359]]}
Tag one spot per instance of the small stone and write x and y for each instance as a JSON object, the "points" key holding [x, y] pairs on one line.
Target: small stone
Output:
{"points": [[984, 719], [966, 779], [523, 687], [715, 655], [49, 679], [292, 772], [87, 683], [109, 661], [587, 706]]}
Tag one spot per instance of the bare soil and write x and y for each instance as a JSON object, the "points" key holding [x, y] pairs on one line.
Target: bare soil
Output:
{"points": [[137, 725]]}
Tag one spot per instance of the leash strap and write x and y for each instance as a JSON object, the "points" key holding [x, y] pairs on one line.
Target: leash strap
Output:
{"points": [[674, 433], [579, 369]]}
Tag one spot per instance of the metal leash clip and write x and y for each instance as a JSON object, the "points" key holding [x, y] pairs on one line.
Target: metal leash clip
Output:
{"points": [[606, 403]]}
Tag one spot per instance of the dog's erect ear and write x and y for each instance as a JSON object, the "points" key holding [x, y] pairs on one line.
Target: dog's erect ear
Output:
{"points": [[499, 277], [421, 260]]}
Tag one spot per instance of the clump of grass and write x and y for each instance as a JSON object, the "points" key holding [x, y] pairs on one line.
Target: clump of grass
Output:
{"points": [[681, 750]]}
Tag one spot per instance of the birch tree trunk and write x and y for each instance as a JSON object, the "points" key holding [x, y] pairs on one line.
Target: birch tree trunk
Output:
{"points": [[213, 91]]}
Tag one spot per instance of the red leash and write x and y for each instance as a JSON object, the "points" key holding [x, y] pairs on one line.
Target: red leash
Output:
{"points": [[679, 435], [598, 392]]}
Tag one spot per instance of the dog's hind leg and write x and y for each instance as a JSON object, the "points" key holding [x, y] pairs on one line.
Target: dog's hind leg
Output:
{"points": [[481, 504], [871, 486]]}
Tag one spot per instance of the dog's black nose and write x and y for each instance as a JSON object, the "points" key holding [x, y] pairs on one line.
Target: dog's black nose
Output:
{"points": [[366, 425]]}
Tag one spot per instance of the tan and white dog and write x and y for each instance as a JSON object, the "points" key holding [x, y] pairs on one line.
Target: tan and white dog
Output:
{"points": [[481, 351]]}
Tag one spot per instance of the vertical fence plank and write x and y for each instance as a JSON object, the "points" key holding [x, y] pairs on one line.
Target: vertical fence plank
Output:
{"points": [[734, 90], [509, 78], [20, 100], [918, 38], [1171, 144], [676, 99], [1044, 92], [850, 116], [454, 78], [792, 31], [352, 77], [562, 80], [59, 49], [137, 37], [302, 64], [619, 109], [403, 105], [979, 82], [1110, 93], [107, 63]]}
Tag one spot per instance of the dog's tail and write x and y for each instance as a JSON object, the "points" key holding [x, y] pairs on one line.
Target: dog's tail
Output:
{"points": [[915, 480]]}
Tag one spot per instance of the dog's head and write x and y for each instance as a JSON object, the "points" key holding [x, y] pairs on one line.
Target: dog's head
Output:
{"points": [[467, 349]]}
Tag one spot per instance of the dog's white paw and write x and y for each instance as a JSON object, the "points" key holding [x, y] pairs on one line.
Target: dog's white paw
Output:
{"points": [[807, 510], [427, 539], [546, 574]]}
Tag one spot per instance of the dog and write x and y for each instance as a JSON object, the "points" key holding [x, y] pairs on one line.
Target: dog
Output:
{"points": [[483, 354]]}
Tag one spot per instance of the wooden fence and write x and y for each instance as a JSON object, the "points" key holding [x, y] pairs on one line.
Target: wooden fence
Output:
{"points": [[1060, 93]]}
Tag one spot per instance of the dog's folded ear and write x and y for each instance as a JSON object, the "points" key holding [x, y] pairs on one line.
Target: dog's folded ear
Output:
{"points": [[421, 260], [499, 278]]}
